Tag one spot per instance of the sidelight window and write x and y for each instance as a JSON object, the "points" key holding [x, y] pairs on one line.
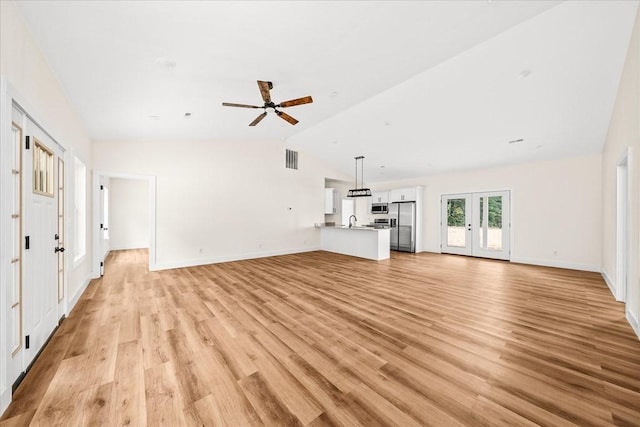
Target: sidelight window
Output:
{"points": [[80, 210]]}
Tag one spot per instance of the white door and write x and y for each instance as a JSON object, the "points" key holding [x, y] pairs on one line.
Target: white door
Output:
{"points": [[491, 225], [40, 282], [477, 224], [104, 217], [456, 224]]}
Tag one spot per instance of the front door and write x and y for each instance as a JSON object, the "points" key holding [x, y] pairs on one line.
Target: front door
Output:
{"points": [[477, 224], [40, 287]]}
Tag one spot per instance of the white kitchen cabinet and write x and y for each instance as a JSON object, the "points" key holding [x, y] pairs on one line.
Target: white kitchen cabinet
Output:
{"points": [[380, 197], [403, 195], [332, 201]]}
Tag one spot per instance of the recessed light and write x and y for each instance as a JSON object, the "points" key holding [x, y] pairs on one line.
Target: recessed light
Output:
{"points": [[524, 73], [154, 117], [187, 115], [515, 141], [166, 62], [381, 166], [538, 146]]}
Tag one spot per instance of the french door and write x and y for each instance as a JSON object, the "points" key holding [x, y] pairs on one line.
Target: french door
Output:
{"points": [[477, 224]]}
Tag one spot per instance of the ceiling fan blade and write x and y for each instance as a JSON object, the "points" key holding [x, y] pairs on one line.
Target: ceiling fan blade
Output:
{"points": [[257, 120], [298, 101], [287, 117], [231, 104], [265, 87]]}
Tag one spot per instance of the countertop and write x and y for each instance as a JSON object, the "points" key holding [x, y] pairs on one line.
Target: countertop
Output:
{"points": [[358, 227]]}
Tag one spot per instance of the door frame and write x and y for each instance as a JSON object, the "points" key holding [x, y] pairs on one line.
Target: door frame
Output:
{"points": [[97, 233], [471, 224], [623, 236], [10, 96]]}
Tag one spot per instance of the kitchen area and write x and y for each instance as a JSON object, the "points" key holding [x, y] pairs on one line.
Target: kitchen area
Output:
{"points": [[372, 224]]}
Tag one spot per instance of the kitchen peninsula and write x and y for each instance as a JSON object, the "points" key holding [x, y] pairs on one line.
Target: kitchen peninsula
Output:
{"points": [[364, 242]]}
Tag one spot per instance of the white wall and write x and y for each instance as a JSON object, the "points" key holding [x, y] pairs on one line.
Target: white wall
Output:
{"points": [[555, 206], [24, 69], [341, 187], [224, 200], [624, 132], [128, 213]]}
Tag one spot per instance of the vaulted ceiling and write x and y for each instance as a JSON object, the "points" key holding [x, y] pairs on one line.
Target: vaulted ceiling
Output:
{"points": [[416, 87]]}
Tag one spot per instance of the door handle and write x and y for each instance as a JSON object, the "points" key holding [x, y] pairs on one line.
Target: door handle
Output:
{"points": [[59, 249]]}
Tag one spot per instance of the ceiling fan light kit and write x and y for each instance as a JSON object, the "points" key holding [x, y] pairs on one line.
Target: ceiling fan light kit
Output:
{"points": [[359, 192], [265, 87]]}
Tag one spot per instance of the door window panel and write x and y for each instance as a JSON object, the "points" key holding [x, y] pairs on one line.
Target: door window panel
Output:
{"points": [[16, 256], [42, 170], [456, 236], [495, 223]]}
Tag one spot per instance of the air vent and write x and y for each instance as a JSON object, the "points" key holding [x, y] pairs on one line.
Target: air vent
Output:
{"points": [[291, 160]]}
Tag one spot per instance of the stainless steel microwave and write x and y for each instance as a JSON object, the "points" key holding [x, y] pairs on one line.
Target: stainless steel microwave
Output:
{"points": [[379, 208]]}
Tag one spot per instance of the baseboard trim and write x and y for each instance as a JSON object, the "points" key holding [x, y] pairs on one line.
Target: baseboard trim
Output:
{"points": [[74, 299], [609, 283], [557, 264], [633, 322], [5, 399], [229, 258], [128, 247]]}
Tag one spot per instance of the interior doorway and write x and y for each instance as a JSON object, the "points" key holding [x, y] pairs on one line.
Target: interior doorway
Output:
{"points": [[103, 208], [477, 224], [622, 228]]}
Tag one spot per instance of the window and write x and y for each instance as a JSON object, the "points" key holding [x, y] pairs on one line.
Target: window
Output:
{"points": [[42, 170], [80, 210], [16, 255]]}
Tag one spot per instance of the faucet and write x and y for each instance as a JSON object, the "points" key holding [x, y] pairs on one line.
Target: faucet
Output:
{"points": [[354, 221]]}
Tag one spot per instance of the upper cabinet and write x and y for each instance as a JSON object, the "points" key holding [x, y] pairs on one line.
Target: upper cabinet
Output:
{"points": [[403, 195], [332, 201], [380, 197]]}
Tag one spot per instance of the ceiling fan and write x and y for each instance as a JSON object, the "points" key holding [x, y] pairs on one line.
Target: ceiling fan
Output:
{"points": [[265, 87]]}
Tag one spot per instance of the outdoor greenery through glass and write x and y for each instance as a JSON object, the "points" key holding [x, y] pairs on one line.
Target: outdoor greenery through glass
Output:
{"points": [[455, 212]]}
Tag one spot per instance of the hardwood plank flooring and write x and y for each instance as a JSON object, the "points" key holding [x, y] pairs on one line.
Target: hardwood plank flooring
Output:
{"points": [[321, 339]]}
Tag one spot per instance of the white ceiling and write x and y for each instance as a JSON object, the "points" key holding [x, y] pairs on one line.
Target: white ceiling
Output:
{"points": [[422, 87]]}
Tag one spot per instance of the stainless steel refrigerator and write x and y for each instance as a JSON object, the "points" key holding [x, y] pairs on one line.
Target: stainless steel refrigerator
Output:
{"points": [[403, 226]]}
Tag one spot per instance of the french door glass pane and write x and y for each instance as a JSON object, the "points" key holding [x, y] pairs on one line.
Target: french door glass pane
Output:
{"points": [[494, 238], [482, 224], [456, 236]]}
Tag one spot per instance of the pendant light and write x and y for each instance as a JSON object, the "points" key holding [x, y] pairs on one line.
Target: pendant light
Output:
{"points": [[359, 192]]}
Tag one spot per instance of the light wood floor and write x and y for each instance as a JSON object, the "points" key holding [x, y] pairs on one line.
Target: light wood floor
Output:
{"points": [[323, 339]]}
